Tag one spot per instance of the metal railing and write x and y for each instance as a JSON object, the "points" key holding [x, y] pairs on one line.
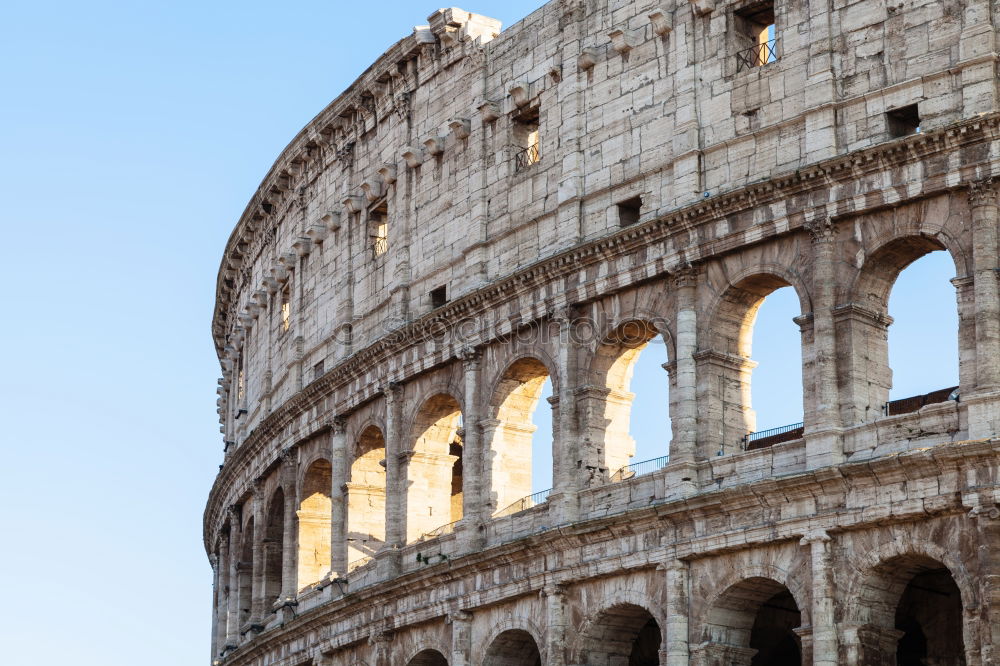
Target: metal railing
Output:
{"points": [[766, 438], [441, 531], [640, 468], [524, 503], [757, 55], [360, 562], [526, 158], [912, 404], [379, 246]]}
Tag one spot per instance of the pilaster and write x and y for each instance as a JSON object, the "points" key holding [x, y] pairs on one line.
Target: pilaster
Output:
{"points": [[824, 628]]}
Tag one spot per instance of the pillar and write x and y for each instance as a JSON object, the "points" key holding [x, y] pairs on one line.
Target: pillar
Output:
{"points": [[824, 629], [289, 540], [257, 573], [555, 624], [824, 445], [984, 405], [987, 522], [685, 396], [395, 491], [475, 504], [218, 597], [677, 641], [566, 477], [224, 590], [461, 638], [339, 462], [235, 538]]}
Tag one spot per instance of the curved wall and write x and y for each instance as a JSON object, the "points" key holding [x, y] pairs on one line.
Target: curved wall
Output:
{"points": [[481, 211]]}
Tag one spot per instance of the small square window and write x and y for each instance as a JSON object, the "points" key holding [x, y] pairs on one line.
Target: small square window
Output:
{"points": [[526, 137], [318, 370], [756, 36], [439, 296], [903, 121], [629, 211]]}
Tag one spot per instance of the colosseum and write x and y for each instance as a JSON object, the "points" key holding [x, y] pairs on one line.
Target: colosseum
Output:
{"points": [[485, 210]]}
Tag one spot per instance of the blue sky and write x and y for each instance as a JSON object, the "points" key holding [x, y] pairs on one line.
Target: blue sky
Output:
{"points": [[132, 136]]}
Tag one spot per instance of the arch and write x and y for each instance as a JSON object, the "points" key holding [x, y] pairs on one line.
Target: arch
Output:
{"points": [[365, 490], [427, 657], [314, 515], [753, 622], [274, 534], [863, 323], [244, 574], [513, 647], [509, 429], [726, 395], [909, 606], [622, 633], [434, 469], [606, 405]]}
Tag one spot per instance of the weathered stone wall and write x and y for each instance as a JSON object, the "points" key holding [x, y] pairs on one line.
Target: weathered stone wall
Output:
{"points": [[340, 365]]}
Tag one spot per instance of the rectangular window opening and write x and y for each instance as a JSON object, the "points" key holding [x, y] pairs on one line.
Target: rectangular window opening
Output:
{"points": [[526, 138], [756, 36], [286, 308], [903, 121], [318, 370], [439, 296], [378, 229], [629, 211]]}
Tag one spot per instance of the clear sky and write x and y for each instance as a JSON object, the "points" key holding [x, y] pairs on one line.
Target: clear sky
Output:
{"points": [[131, 137]]}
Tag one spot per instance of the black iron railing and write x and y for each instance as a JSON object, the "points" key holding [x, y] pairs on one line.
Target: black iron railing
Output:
{"points": [[526, 158], [757, 55], [379, 246], [640, 468], [912, 404], [524, 503], [766, 438]]}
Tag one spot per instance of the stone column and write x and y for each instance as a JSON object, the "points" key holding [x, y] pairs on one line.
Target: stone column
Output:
{"points": [[823, 442], [395, 478], [473, 455], [461, 638], [987, 522], [233, 611], [339, 463], [685, 416], [565, 455], [257, 611], [555, 624], [984, 405], [380, 642], [677, 641], [289, 540], [824, 628], [224, 591], [862, 336], [217, 603]]}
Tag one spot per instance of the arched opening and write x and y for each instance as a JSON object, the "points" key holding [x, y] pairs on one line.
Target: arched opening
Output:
{"points": [[911, 607], [514, 647], [922, 308], [314, 524], [244, 574], [365, 490], [273, 548], [755, 314], [512, 436], [626, 432], [428, 658], [434, 470], [899, 369], [623, 634], [753, 623]]}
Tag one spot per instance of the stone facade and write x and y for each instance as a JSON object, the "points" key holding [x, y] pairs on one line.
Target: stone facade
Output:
{"points": [[483, 210]]}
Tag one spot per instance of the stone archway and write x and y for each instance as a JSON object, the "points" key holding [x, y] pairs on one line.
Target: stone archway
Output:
{"points": [[908, 612], [434, 469], [622, 635], [365, 490], [514, 647], [314, 523], [428, 658], [752, 623]]}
